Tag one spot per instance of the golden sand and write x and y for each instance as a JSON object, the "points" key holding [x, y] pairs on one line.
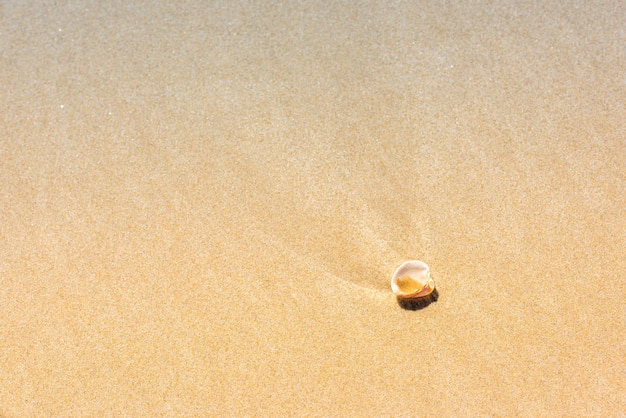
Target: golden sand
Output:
{"points": [[202, 205]]}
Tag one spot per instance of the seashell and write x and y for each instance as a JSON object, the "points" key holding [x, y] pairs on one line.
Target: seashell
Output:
{"points": [[412, 280]]}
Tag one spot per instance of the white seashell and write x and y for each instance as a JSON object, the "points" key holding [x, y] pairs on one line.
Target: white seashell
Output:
{"points": [[412, 280]]}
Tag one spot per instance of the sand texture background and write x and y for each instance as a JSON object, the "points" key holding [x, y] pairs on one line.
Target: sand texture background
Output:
{"points": [[202, 203]]}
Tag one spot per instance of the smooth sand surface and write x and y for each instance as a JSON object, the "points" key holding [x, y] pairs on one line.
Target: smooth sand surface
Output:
{"points": [[202, 204]]}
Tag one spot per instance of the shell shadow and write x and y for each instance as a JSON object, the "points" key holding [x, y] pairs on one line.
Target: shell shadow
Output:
{"points": [[419, 303]]}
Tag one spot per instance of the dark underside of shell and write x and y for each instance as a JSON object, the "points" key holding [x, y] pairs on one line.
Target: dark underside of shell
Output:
{"points": [[418, 303]]}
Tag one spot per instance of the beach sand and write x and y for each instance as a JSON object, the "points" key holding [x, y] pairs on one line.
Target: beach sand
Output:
{"points": [[202, 205]]}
